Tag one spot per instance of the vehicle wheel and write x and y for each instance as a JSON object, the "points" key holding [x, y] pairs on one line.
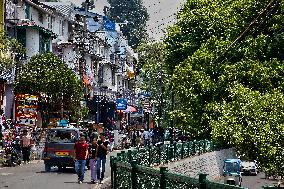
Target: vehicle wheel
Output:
{"points": [[231, 182], [60, 168], [47, 167]]}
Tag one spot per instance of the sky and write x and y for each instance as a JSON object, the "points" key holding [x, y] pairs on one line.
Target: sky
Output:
{"points": [[162, 14]]}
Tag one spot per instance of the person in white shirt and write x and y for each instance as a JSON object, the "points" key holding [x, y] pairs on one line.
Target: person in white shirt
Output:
{"points": [[146, 137]]}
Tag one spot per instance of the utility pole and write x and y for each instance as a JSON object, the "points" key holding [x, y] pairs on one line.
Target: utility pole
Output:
{"points": [[82, 47]]}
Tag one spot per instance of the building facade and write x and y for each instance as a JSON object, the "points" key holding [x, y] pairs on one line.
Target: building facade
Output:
{"points": [[90, 44]]}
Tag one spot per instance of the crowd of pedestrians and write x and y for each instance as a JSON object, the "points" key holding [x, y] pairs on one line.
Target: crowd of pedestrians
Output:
{"points": [[27, 143], [96, 152]]}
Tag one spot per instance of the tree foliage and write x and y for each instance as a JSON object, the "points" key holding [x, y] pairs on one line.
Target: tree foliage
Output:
{"points": [[9, 50], [155, 79], [47, 74], [134, 14], [226, 61]]}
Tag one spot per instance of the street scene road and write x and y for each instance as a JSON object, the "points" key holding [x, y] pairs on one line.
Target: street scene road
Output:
{"points": [[196, 84], [33, 176]]}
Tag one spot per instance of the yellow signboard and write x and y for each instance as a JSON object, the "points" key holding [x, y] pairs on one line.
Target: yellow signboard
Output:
{"points": [[2, 9]]}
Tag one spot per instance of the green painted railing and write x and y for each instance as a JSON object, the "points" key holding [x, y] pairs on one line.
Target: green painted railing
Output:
{"points": [[132, 169], [152, 156]]}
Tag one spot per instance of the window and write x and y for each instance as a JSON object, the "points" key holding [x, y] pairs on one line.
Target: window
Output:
{"points": [[21, 36], [62, 28], [62, 136], [101, 74], [28, 12], [44, 43], [40, 18], [113, 77], [49, 21]]}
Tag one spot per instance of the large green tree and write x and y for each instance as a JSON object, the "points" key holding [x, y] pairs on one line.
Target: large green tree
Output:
{"points": [[155, 79], [134, 15], [226, 61], [48, 75]]}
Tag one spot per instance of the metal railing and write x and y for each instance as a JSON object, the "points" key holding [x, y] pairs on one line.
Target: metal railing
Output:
{"points": [[153, 156], [133, 169]]}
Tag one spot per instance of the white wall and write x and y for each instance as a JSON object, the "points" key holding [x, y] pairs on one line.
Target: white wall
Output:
{"points": [[210, 163], [32, 42], [69, 56], [21, 10], [8, 101]]}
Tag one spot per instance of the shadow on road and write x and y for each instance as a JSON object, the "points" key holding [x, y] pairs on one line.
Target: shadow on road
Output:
{"points": [[63, 171], [77, 182]]}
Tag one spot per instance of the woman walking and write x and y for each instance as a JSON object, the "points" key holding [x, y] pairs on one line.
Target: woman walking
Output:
{"points": [[93, 160]]}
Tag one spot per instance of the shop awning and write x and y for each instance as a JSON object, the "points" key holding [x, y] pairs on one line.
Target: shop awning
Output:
{"points": [[31, 24]]}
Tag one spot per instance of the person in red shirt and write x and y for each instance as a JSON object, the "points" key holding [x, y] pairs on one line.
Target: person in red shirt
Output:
{"points": [[81, 151]]}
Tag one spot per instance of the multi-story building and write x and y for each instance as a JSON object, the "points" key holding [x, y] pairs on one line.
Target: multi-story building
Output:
{"points": [[89, 43]]}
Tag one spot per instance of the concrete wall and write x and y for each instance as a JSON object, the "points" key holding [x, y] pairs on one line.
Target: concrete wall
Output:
{"points": [[8, 102], [32, 42], [210, 163], [108, 77]]}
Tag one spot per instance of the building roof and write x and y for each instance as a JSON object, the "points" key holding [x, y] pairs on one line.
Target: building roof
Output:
{"points": [[65, 8]]}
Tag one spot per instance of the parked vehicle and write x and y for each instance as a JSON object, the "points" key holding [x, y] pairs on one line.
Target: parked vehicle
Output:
{"points": [[232, 172], [249, 168], [59, 148]]}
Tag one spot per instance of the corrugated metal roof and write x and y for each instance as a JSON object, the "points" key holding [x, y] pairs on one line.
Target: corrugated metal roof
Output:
{"points": [[65, 8]]}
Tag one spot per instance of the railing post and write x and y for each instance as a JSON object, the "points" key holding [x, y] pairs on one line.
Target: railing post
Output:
{"points": [[193, 147], [163, 183], [133, 175], [182, 150], [123, 156], [113, 171], [150, 154], [129, 154], [167, 154], [188, 149], [202, 181], [160, 154], [175, 150]]}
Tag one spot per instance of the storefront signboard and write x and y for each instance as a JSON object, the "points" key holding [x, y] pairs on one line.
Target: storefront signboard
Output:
{"points": [[121, 104]]}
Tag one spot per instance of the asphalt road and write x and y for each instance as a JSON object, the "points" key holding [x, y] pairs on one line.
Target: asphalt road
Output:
{"points": [[256, 182], [33, 176]]}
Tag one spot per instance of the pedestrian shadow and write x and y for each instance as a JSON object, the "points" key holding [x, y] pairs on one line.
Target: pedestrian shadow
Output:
{"points": [[74, 182]]}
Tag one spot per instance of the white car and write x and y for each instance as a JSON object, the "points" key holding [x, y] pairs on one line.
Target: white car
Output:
{"points": [[249, 168]]}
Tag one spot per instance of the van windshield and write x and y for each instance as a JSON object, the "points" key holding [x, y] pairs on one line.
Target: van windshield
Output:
{"points": [[62, 136]]}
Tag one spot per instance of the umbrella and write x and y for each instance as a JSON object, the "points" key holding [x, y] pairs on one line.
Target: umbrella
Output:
{"points": [[130, 109]]}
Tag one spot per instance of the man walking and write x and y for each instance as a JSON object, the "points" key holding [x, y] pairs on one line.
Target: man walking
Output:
{"points": [[81, 151], [101, 157], [26, 143], [146, 137]]}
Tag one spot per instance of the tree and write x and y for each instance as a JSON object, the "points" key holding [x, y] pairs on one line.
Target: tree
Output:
{"points": [[47, 74], [134, 15], [10, 50], [226, 62], [155, 79]]}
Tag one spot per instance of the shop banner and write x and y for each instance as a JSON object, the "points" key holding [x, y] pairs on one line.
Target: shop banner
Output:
{"points": [[26, 109], [121, 104]]}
